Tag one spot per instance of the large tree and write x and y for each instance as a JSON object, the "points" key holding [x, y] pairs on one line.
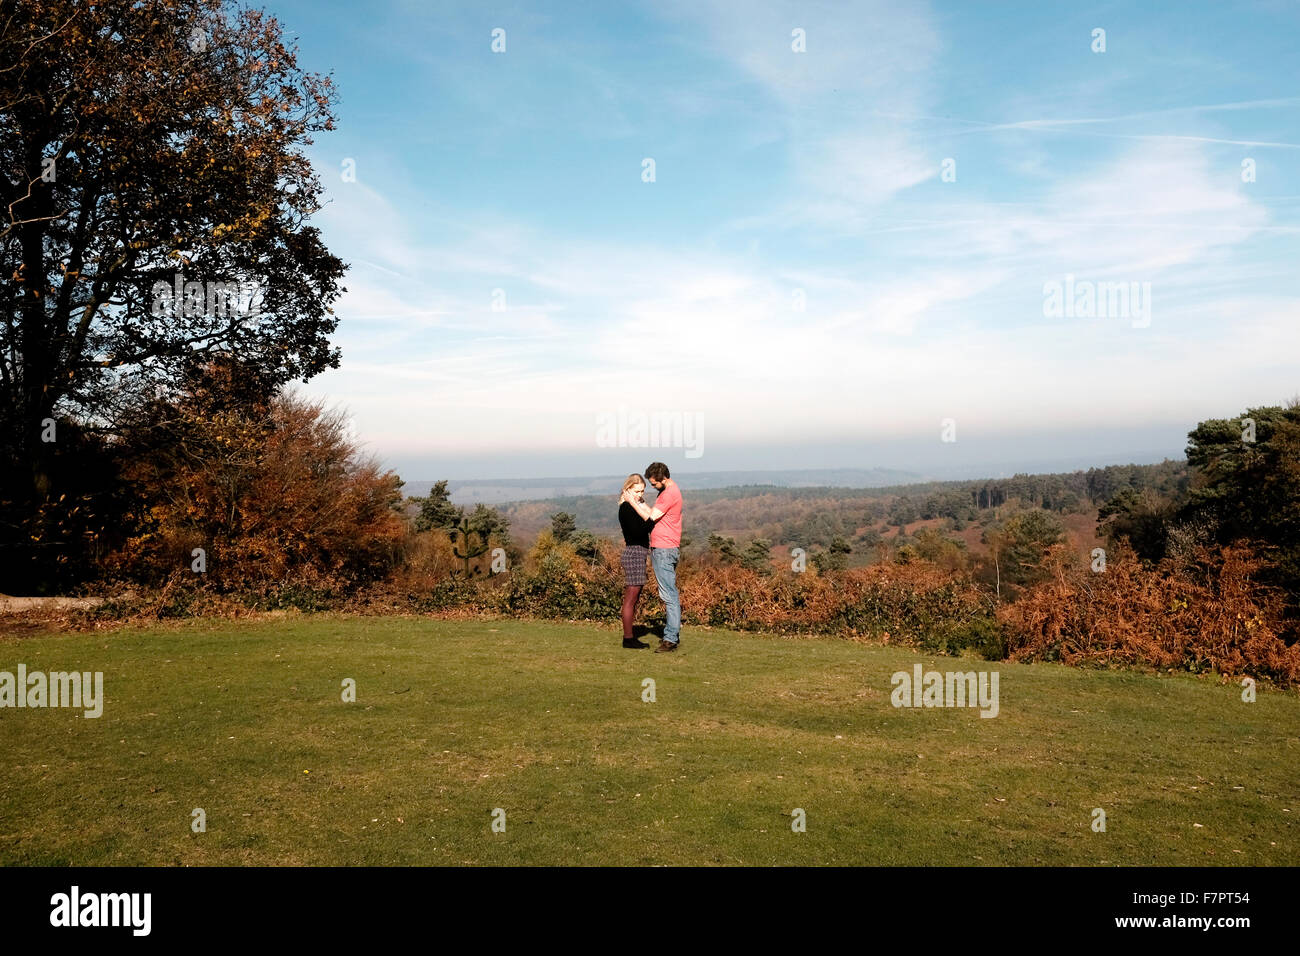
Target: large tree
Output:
{"points": [[1246, 485], [148, 146]]}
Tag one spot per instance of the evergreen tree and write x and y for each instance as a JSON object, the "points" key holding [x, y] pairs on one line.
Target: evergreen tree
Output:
{"points": [[563, 526], [437, 511]]}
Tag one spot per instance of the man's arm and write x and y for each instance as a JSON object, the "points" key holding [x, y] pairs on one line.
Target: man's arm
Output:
{"points": [[644, 510]]}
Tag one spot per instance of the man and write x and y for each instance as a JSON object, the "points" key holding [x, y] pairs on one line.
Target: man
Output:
{"points": [[665, 547]]}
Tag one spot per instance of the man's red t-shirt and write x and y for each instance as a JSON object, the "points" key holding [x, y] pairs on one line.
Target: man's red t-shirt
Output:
{"points": [[667, 532]]}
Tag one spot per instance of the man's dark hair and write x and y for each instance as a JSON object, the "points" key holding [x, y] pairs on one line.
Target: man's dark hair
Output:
{"points": [[656, 471]]}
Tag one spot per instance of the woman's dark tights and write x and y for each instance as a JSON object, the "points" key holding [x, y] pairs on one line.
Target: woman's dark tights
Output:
{"points": [[631, 594]]}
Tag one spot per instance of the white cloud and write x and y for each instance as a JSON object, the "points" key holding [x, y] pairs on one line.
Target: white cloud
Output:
{"points": [[874, 354], [923, 302]]}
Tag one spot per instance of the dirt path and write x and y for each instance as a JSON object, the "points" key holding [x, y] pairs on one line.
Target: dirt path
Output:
{"points": [[9, 604]]}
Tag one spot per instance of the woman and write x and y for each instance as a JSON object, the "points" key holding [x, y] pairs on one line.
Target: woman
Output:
{"points": [[636, 550]]}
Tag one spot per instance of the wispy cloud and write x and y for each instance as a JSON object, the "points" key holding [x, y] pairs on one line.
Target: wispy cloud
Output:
{"points": [[800, 267]]}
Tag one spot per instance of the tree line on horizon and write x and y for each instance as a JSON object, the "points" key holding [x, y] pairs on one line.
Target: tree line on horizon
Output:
{"points": [[838, 522]]}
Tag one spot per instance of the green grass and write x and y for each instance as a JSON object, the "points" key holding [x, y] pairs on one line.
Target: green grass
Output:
{"points": [[456, 718]]}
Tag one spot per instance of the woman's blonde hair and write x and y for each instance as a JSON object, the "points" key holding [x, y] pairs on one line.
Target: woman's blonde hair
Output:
{"points": [[632, 480]]}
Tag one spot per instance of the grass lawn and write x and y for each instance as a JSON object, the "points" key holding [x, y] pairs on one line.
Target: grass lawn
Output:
{"points": [[546, 721]]}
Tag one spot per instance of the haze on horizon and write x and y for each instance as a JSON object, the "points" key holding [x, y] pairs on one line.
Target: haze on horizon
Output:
{"points": [[999, 456], [842, 248]]}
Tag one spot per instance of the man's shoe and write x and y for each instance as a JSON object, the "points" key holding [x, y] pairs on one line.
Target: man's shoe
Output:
{"points": [[666, 647], [633, 642]]}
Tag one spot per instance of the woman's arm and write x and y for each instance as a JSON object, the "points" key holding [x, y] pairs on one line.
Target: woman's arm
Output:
{"points": [[641, 508]]}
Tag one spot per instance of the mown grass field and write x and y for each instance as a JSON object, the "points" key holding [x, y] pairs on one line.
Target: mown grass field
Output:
{"points": [[546, 721]]}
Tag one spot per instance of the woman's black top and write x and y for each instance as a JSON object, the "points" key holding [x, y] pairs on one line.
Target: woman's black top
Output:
{"points": [[636, 530]]}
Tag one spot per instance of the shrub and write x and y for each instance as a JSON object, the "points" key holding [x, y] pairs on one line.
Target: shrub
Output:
{"points": [[900, 603], [1211, 613], [274, 495]]}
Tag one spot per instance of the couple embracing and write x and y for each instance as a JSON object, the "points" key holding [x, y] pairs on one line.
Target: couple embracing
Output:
{"points": [[654, 532]]}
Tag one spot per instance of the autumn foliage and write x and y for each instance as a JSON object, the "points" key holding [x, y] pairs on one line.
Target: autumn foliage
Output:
{"points": [[1208, 613], [914, 603], [274, 494]]}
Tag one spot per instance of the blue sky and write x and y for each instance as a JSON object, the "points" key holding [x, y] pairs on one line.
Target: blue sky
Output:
{"points": [[785, 178]]}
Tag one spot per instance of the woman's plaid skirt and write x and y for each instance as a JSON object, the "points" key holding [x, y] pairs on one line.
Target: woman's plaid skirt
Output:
{"points": [[633, 559]]}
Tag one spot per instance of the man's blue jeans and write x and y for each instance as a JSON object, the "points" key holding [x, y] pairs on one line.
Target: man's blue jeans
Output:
{"points": [[664, 561]]}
